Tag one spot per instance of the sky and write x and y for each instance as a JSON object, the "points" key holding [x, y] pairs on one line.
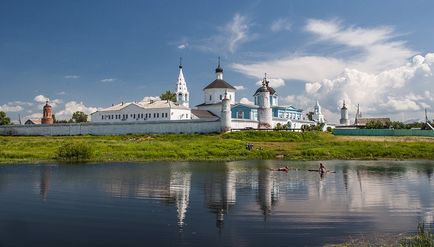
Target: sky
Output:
{"points": [[84, 55]]}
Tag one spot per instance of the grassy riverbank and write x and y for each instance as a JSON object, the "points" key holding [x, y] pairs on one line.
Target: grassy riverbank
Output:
{"points": [[229, 146]]}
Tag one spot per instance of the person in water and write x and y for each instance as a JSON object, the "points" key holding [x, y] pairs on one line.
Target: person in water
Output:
{"points": [[283, 169], [322, 168]]}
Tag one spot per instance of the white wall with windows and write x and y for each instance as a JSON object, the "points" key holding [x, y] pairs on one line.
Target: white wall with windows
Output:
{"points": [[216, 95], [136, 112]]}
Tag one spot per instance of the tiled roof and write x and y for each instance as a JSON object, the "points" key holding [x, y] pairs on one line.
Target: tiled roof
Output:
{"points": [[218, 83]]}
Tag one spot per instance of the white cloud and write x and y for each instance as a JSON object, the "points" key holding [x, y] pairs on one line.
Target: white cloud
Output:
{"points": [[73, 106], [305, 68], [246, 101], [183, 46], [71, 76], [378, 49], [273, 82], [149, 98], [371, 50], [108, 80], [41, 100], [240, 87], [61, 93], [281, 24], [401, 93], [229, 37], [11, 108], [33, 116]]}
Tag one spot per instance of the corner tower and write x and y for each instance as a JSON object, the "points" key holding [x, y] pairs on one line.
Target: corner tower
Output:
{"points": [[182, 95], [47, 114], [265, 117], [344, 115]]}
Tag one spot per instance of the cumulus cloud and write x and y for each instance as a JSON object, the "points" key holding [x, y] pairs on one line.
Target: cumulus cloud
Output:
{"points": [[281, 24], [11, 108], [73, 106], [34, 116], [149, 98], [400, 92], [41, 100], [246, 101], [108, 80], [71, 76], [240, 87], [273, 82]]}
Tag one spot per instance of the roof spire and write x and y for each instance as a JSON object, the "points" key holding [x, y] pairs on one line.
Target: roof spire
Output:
{"points": [[180, 62], [219, 69]]}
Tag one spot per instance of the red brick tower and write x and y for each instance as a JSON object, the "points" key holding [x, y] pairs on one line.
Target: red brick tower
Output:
{"points": [[47, 115]]}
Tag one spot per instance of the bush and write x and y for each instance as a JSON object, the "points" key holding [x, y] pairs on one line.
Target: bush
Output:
{"points": [[74, 151]]}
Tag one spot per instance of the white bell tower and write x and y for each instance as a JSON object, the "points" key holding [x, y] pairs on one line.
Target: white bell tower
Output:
{"points": [[182, 95]]}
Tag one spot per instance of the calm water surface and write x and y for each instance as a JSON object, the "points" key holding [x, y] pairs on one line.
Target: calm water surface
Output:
{"points": [[211, 203]]}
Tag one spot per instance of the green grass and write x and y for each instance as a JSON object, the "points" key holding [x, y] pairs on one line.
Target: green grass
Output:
{"points": [[228, 146]]}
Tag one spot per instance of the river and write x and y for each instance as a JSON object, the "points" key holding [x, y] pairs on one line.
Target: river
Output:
{"points": [[242, 203]]}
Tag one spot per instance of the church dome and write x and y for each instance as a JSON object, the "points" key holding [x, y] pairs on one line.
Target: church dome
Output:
{"points": [[262, 89]]}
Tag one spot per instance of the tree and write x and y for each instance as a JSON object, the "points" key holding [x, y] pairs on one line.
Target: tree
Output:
{"points": [[4, 120], [309, 115], [168, 95], [375, 124], [79, 117]]}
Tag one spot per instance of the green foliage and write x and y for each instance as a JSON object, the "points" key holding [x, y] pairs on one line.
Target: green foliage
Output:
{"points": [[79, 117], [424, 237], [375, 124], [309, 115], [168, 95], [306, 127], [280, 126], [74, 151], [311, 145], [4, 120]]}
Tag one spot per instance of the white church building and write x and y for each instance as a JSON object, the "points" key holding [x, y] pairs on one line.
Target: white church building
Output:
{"points": [[218, 102]]}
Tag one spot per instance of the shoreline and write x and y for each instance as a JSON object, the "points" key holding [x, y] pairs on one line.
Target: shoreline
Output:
{"points": [[267, 145]]}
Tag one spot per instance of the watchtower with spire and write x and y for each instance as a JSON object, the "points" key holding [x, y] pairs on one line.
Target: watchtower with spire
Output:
{"points": [[317, 114], [182, 95], [265, 117], [344, 115]]}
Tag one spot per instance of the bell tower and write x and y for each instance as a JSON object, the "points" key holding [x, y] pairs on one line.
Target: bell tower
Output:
{"points": [[182, 95]]}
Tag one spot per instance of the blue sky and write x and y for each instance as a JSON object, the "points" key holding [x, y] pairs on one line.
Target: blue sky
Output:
{"points": [[88, 54]]}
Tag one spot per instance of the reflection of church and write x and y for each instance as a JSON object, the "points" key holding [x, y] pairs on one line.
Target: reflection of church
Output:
{"points": [[220, 193], [171, 187]]}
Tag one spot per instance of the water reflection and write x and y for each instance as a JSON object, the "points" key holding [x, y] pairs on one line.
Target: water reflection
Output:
{"points": [[220, 192], [242, 199]]}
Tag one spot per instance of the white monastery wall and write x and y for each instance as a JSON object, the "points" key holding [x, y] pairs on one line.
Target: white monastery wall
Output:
{"points": [[174, 126], [244, 123]]}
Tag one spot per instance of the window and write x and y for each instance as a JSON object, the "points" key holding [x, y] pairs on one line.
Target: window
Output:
{"points": [[155, 115], [186, 115], [102, 117], [240, 114], [210, 97], [221, 97]]}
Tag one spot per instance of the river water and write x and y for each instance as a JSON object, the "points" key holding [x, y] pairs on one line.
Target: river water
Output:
{"points": [[241, 203]]}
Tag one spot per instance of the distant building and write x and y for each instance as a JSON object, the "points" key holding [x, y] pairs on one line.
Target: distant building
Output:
{"points": [[142, 111], [33, 121], [47, 114], [344, 116], [363, 121], [215, 92], [317, 114]]}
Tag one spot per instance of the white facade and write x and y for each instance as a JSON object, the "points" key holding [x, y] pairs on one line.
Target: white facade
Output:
{"points": [[216, 95], [142, 112], [317, 114], [182, 95]]}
